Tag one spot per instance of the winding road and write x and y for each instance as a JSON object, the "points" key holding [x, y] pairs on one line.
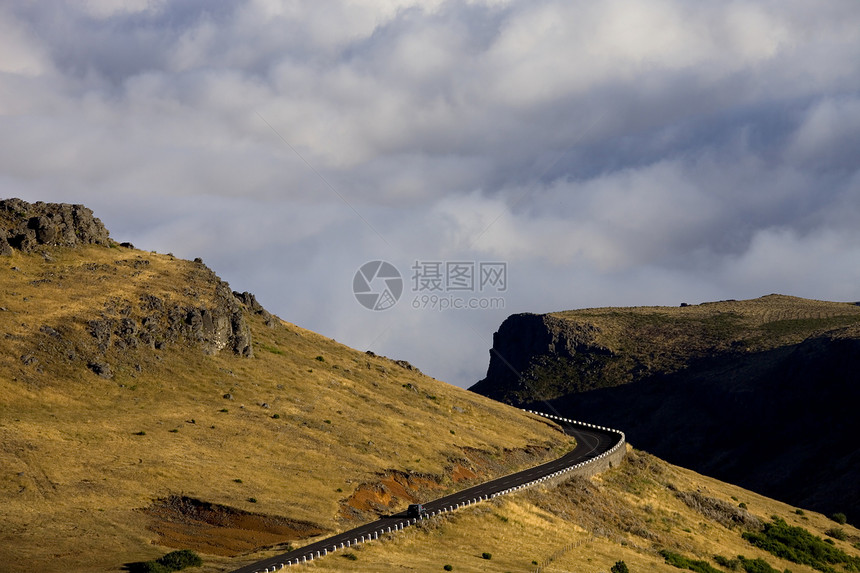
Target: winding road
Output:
{"points": [[591, 443]]}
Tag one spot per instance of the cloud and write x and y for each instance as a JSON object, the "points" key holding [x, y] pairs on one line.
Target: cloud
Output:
{"points": [[615, 153]]}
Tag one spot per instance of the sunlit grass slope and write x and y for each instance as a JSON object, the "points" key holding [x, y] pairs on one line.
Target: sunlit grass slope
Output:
{"points": [[291, 432], [630, 513]]}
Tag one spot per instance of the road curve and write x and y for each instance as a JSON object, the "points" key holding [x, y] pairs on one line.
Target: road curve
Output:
{"points": [[591, 443]]}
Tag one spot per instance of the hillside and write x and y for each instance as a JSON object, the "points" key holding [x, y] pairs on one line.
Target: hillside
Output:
{"points": [[145, 406], [761, 393]]}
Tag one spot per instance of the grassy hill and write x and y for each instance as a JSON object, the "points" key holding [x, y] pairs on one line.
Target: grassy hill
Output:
{"points": [[632, 513], [762, 393], [144, 408], [543, 357], [175, 444]]}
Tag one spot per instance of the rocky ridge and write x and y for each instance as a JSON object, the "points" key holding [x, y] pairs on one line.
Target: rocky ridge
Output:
{"points": [[211, 316]]}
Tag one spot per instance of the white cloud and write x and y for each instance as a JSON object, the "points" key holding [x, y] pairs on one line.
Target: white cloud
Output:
{"points": [[624, 152]]}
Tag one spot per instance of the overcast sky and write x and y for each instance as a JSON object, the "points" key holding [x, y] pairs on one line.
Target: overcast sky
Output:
{"points": [[610, 153]]}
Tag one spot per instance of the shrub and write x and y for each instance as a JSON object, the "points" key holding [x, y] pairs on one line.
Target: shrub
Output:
{"points": [[448, 567], [252, 499], [275, 416], [839, 518], [756, 565], [682, 562], [619, 567], [836, 533], [799, 511], [320, 359], [350, 556], [799, 546], [173, 561], [140, 433], [742, 505], [177, 560], [733, 564], [486, 555]]}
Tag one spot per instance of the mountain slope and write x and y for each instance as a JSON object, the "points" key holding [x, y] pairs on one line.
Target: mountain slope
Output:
{"points": [[145, 406], [762, 393]]}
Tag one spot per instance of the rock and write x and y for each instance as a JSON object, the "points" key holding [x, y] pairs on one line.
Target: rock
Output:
{"points": [[25, 226], [250, 302], [102, 330], [5, 247], [103, 369], [50, 331]]}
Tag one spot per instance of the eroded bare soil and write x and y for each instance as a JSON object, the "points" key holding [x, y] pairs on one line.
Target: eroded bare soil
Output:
{"points": [[189, 523]]}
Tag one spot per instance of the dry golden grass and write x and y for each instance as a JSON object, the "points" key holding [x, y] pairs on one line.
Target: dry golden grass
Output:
{"points": [[758, 323], [76, 467], [538, 524], [77, 470]]}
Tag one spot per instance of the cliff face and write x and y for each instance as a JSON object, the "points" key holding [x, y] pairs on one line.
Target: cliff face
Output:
{"points": [[759, 393], [529, 350]]}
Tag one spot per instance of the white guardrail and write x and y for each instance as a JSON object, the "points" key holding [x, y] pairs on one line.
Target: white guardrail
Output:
{"points": [[408, 522]]}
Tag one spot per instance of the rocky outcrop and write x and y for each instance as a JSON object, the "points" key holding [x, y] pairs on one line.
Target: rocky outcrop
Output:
{"points": [[155, 323], [24, 226], [250, 303], [150, 321], [528, 347]]}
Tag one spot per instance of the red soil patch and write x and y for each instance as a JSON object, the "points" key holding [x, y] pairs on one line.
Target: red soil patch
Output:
{"points": [[187, 523], [462, 473]]}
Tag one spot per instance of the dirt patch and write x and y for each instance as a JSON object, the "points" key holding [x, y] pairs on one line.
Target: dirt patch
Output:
{"points": [[188, 523], [462, 473], [393, 488]]}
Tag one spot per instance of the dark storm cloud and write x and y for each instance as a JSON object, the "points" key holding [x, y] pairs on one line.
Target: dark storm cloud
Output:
{"points": [[619, 152]]}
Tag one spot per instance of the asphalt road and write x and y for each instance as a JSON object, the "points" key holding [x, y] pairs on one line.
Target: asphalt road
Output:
{"points": [[590, 443]]}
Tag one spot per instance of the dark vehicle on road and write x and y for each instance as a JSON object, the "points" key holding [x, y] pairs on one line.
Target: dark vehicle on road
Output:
{"points": [[416, 510]]}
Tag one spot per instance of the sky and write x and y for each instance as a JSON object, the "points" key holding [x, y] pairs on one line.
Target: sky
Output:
{"points": [[513, 156]]}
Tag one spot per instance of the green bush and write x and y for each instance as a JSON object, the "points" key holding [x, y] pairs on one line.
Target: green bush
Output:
{"points": [[682, 562], [797, 545], [836, 533], [177, 560], [839, 518], [756, 565], [350, 556], [448, 567], [799, 511], [733, 564], [619, 567], [486, 555], [173, 561]]}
